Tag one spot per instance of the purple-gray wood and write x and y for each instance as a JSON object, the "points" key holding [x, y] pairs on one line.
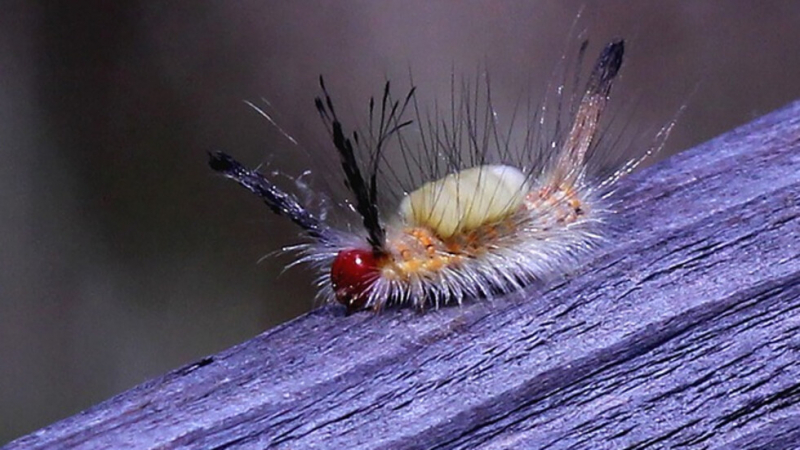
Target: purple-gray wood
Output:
{"points": [[683, 333]]}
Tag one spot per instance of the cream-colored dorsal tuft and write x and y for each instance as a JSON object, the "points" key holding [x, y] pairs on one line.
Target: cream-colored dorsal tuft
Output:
{"points": [[466, 200]]}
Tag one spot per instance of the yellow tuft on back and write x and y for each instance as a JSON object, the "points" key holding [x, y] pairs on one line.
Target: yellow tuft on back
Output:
{"points": [[466, 200]]}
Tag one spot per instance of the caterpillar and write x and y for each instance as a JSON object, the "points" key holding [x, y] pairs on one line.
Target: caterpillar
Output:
{"points": [[478, 226]]}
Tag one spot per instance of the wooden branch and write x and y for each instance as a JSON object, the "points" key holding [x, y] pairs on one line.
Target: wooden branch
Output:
{"points": [[684, 333]]}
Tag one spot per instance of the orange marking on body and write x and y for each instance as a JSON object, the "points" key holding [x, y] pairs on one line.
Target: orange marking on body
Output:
{"points": [[419, 251]]}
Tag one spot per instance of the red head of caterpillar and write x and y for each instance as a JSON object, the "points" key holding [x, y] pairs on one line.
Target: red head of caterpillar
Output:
{"points": [[353, 273], [479, 228]]}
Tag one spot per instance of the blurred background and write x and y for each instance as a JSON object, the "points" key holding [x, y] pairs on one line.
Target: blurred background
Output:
{"points": [[122, 256]]}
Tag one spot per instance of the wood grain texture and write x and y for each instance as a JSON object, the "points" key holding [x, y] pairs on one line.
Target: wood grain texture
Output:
{"points": [[683, 333]]}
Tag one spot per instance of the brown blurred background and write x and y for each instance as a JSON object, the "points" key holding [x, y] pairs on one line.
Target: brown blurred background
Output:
{"points": [[122, 256]]}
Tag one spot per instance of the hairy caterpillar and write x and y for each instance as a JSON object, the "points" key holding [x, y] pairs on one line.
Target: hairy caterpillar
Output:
{"points": [[476, 227]]}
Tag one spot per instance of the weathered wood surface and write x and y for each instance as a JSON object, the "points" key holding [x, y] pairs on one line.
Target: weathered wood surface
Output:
{"points": [[684, 333]]}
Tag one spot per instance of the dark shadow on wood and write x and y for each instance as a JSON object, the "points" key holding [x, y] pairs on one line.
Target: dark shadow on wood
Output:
{"points": [[682, 334]]}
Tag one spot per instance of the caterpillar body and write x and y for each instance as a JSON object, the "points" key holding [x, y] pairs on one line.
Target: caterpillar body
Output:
{"points": [[482, 228]]}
